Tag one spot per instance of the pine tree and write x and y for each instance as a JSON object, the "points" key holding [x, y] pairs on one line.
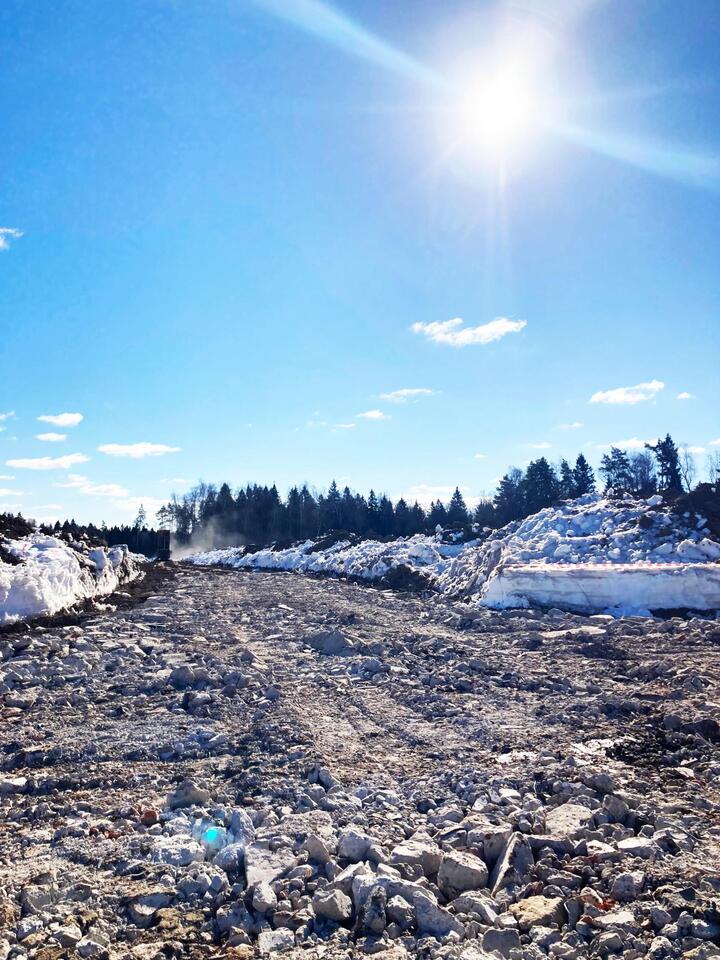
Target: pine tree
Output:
{"points": [[615, 470], [438, 515], [402, 520], [541, 485], [457, 511], [668, 464], [567, 481], [140, 519], [583, 477], [510, 497]]}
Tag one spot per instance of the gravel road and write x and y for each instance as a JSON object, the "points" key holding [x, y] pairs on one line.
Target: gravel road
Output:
{"points": [[245, 763]]}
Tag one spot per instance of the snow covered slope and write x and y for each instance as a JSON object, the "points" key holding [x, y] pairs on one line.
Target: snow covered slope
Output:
{"points": [[590, 554], [48, 575]]}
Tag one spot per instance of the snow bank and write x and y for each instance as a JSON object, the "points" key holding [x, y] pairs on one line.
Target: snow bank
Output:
{"points": [[368, 560], [52, 576], [620, 589], [588, 555]]}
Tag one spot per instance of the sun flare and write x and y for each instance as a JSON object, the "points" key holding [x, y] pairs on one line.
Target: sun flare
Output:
{"points": [[498, 115]]}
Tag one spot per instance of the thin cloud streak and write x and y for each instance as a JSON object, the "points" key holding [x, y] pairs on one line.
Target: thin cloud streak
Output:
{"points": [[452, 333], [638, 393], [48, 463], [136, 451]]}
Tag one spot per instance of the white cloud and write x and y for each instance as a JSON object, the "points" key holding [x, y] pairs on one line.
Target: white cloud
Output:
{"points": [[344, 426], [480, 456], [632, 444], [636, 394], [62, 419], [543, 445], [715, 443], [136, 451], [426, 493], [7, 234], [47, 506], [7, 492], [131, 505], [173, 480], [685, 396], [694, 449], [51, 437], [6, 476], [570, 426], [373, 415], [7, 416], [316, 424], [454, 334], [407, 393], [80, 483], [48, 463]]}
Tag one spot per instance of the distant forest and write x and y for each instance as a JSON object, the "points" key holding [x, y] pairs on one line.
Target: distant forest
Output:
{"points": [[209, 516]]}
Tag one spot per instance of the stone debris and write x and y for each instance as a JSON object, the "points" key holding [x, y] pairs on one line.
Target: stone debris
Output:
{"points": [[253, 764]]}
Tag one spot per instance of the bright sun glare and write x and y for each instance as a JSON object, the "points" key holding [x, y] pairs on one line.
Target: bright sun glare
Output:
{"points": [[498, 115]]}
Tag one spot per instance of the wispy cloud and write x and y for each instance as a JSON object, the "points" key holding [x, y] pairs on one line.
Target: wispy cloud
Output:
{"points": [[693, 449], [136, 451], [48, 463], [131, 505], [173, 480], [407, 393], [426, 493], [62, 419], [7, 416], [454, 334], [480, 456], [6, 476], [715, 443], [570, 426], [80, 483], [7, 234], [635, 394], [685, 396], [51, 437], [543, 445], [7, 492], [373, 415], [633, 443], [344, 426]]}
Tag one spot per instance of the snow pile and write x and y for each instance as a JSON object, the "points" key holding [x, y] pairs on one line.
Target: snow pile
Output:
{"points": [[591, 554], [48, 575], [368, 560]]}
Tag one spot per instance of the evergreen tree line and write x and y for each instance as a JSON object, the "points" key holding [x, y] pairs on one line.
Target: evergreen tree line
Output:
{"points": [[138, 537], [210, 516]]}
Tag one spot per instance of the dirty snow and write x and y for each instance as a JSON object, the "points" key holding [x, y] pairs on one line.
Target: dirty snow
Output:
{"points": [[591, 554], [52, 576]]}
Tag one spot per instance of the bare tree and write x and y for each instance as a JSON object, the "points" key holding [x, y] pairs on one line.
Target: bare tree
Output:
{"points": [[712, 467], [688, 468]]}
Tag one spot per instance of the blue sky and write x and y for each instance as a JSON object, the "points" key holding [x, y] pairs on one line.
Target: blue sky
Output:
{"points": [[229, 229]]}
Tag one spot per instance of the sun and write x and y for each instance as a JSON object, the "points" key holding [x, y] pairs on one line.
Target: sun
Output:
{"points": [[497, 115]]}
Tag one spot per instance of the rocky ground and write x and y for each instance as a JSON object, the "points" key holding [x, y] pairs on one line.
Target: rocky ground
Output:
{"points": [[246, 763]]}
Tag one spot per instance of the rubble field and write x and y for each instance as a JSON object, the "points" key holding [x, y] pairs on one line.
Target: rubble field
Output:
{"points": [[252, 763]]}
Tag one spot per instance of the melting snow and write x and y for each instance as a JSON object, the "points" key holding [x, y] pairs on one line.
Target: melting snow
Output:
{"points": [[52, 576], [590, 554]]}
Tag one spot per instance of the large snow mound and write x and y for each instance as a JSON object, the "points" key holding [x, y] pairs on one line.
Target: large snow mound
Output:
{"points": [[591, 554], [48, 575]]}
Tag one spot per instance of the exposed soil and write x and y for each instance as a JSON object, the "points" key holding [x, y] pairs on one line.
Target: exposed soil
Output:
{"points": [[425, 718]]}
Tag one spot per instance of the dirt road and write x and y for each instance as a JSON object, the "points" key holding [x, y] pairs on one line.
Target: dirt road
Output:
{"points": [[420, 717]]}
